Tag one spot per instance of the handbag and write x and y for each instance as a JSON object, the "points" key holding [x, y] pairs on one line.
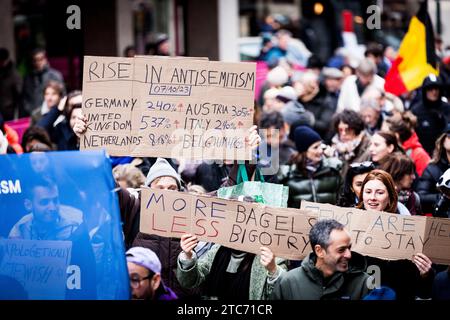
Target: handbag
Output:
{"points": [[272, 194]]}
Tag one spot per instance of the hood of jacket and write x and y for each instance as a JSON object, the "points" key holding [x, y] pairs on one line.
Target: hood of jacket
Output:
{"points": [[412, 143], [430, 82]]}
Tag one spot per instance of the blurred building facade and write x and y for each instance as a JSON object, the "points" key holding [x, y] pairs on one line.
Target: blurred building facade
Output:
{"points": [[203, 28]]}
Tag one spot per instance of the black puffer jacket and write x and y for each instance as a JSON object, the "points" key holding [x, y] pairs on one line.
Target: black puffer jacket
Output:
{"points": [[403, 277], [426, 186], [321, 186]]}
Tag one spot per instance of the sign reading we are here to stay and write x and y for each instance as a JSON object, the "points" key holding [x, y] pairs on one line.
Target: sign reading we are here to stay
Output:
{"points": [[175, 107]]}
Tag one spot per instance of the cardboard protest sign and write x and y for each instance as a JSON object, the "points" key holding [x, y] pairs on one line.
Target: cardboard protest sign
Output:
{"points": [[239, 225], [40, 267], [248, 226], [108, 103], [390, 236], [169, 107], [436, 240]]}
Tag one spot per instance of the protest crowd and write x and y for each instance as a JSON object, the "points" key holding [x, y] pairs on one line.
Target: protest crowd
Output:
{"points": [[334, 135]]}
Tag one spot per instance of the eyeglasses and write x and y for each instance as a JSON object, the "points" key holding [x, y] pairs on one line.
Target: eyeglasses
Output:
{"points": [[365, 164], [135, 282]]}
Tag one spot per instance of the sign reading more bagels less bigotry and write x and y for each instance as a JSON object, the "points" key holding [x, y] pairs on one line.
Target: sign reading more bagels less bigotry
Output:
{"points": [[168, 107], [248, 226]]}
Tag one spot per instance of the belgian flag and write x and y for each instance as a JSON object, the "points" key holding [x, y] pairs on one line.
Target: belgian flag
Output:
{"points": [[416, 57]]}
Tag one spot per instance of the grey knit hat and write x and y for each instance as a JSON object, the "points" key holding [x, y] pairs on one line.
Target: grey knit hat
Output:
{"points": [[162, 168]]}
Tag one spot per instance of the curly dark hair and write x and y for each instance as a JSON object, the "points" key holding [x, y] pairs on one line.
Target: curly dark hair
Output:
{"points": [[350, 118]]}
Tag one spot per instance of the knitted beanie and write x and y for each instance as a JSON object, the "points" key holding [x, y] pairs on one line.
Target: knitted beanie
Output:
{"points": [[305, 137]]}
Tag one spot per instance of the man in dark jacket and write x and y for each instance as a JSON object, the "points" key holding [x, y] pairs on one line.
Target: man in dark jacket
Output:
{"points": [[10, 87], [330, 272], [432, 113], [313, 99], [34, 83]]}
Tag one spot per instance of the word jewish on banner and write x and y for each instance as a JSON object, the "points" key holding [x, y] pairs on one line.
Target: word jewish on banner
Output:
{"points": [[387, 235], [235, 224], [168, 107], [39, 266]]}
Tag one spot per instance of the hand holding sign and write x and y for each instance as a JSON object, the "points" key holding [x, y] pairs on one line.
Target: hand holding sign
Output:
{"points": [[253, 139], [188, 243], [80, 125], [62, 104], [268, 260], [423, 263]]}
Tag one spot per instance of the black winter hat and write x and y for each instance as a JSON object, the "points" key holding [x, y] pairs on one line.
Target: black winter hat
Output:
{"points": [[432, 81], [305, 137]]}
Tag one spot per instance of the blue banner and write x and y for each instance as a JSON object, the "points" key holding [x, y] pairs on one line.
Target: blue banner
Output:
{"points": [[60, 229]]}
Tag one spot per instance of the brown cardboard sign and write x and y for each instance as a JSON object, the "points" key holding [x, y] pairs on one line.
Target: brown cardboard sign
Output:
{"points": [[390, 236], [248, 226], [169, 107], [239, 225]]}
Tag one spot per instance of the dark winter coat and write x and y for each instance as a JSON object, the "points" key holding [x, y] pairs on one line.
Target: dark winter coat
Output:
{"points": [[33, 87], [426, 186], [403, 277], [307, 282], [61, 134], [320, 186], [323, 111], [432, 118], [10, 91]]}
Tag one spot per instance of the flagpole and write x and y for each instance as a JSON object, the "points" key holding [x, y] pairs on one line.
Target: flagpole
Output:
{"points": [[438, 17]]}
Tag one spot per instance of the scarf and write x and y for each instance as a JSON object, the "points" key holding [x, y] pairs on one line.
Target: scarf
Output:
{"points": [[346, 150], [229, 277], [312, 167]]}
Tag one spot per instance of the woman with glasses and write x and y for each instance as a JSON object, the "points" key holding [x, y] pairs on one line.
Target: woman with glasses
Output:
{"points": [[354, 178], [426, 186], [309, 175], [407, 278], [351, 140]]}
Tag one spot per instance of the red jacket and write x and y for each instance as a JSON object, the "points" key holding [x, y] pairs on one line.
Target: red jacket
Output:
{"points": [[417, 153], [13, 139]]}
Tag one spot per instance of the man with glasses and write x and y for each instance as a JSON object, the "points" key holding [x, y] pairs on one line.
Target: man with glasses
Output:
{"points": [[144, 270]]}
